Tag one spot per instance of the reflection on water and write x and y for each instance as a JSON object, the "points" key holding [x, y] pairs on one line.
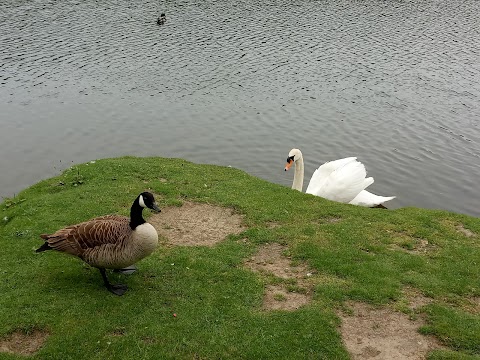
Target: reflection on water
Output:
{"points": [[242, 82]]}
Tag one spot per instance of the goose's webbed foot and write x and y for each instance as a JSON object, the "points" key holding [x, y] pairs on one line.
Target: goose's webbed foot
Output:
{"points": [[127, 271], [117, 289]]}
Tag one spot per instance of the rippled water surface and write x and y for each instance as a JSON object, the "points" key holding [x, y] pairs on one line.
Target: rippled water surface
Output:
{"points": [[396, 83]]}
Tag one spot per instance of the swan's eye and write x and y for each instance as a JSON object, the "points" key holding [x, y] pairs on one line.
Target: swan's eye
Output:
{"points": [[291, 158]]}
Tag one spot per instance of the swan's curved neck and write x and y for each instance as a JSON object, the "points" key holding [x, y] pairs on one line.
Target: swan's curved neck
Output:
{"points": [[298, 175]]}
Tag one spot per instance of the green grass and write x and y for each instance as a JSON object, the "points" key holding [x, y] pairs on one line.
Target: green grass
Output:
{"points": [[368, 255]]}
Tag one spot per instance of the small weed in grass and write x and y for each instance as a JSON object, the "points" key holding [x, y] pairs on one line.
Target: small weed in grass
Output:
{"points": [[11, 202], [78, 178]]}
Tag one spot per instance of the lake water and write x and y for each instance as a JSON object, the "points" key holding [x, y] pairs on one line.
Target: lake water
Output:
{"points": [[235, 82]]}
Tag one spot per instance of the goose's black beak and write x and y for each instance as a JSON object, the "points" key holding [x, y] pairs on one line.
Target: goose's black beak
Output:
{"points": [[156, 208]]}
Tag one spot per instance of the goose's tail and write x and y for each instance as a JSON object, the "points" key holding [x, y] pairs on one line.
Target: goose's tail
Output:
{"points": [[45, 246]]}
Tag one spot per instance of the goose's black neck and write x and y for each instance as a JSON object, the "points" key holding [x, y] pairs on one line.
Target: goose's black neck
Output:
{"points": [[136, 217]]}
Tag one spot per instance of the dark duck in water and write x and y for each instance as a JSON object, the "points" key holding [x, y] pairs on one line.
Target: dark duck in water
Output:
{"points": [[161, 19]]}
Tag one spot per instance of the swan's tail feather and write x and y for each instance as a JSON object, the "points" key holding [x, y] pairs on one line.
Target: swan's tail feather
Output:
{"points": [[367, 182], [367, 199]]}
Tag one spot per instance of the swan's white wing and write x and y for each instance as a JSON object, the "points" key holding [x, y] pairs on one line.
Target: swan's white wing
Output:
{"points": [[345, 183], [368, 199], [323, 172]]}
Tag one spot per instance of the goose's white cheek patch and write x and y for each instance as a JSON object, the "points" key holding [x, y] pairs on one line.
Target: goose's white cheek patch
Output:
{"points": [[142, 203]]}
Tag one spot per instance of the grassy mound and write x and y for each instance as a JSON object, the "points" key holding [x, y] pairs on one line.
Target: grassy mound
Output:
{"points": [[354, 253]]}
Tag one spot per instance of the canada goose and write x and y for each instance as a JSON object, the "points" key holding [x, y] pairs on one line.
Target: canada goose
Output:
{"points": [[109, 242], [342, 180], [162, 19]]}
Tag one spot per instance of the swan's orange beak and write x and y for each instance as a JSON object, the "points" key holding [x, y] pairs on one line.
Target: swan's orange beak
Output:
{"points": [[288, 165]]}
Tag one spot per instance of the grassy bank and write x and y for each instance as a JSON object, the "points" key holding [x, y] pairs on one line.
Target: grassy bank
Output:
{"points": [[360, 254]]}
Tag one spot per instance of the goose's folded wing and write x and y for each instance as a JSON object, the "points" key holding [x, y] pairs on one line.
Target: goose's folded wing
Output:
{"points": [[87, 235]]}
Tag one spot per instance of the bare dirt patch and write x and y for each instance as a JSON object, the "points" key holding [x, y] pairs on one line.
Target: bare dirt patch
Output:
{"points": [[195, 224], [415, 298], [328, 220], [381, 333], [270, 260], [472, 305], [118, 332], [459, 228], [476, 302], [412, 245], [273, 225], [462, 229], [277, 298], [21, 343]]}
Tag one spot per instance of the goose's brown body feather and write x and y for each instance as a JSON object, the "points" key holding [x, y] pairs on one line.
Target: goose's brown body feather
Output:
{"points": [[106, 242]]}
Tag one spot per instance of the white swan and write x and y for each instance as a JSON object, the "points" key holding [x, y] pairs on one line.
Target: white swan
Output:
{"points": [[342, 180]]}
